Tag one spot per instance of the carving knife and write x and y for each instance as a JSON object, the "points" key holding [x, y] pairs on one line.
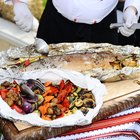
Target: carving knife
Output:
{"points": [[117, 25]]}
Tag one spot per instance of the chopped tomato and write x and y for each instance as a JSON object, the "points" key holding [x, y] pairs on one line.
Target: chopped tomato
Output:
{"points": [[4, 90], [27, 62], [3, 93], [17, 108]]}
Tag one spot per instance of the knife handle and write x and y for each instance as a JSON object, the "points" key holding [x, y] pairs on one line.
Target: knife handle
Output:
{"points": [[115, 25]]}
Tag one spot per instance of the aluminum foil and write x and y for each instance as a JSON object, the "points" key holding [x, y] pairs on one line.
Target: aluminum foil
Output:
{"points": [[13, 54], [88, 58], [78, 118]]}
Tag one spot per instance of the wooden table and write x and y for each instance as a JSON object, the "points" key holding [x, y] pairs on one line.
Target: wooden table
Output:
{"points": [[121, 95]]}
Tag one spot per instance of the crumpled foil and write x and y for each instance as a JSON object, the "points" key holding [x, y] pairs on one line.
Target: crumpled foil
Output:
{"points": [[78, 118], [10, 57], [58, 53]]}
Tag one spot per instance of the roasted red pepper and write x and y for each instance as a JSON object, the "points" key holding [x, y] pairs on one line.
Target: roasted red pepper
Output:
{"points": [[53, 89], [66, 103], [62, 94], [68, 87], [61, 85]]}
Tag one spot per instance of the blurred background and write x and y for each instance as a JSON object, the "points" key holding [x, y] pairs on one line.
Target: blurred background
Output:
{"points": [[11, 35], [36, 7]]}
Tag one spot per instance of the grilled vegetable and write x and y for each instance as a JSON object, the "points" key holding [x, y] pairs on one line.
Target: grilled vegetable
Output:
{"points": [[28, 107]]}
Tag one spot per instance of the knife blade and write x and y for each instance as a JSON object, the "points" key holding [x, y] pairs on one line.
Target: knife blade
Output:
{"points": [[117, 25]]}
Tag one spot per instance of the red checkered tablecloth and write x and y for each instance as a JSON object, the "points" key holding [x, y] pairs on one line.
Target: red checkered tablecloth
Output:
{"points": [[123, 126]]}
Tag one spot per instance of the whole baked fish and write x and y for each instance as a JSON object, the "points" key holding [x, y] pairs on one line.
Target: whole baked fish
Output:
{"points": [[104, 61]]}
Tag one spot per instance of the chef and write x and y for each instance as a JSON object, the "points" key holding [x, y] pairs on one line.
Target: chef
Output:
{"points": [[78, 20]]}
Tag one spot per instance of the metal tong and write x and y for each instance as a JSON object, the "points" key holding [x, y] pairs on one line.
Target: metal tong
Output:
{"points": [[117, 25]]}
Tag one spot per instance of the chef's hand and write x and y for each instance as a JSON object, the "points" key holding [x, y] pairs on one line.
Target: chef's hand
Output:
{"points": [[129, 16], [23, 17], [41, 46]]}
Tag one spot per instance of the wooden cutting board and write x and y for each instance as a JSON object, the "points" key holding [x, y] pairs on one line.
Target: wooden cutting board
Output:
{"points": [[121, 95], [121, 88]]}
